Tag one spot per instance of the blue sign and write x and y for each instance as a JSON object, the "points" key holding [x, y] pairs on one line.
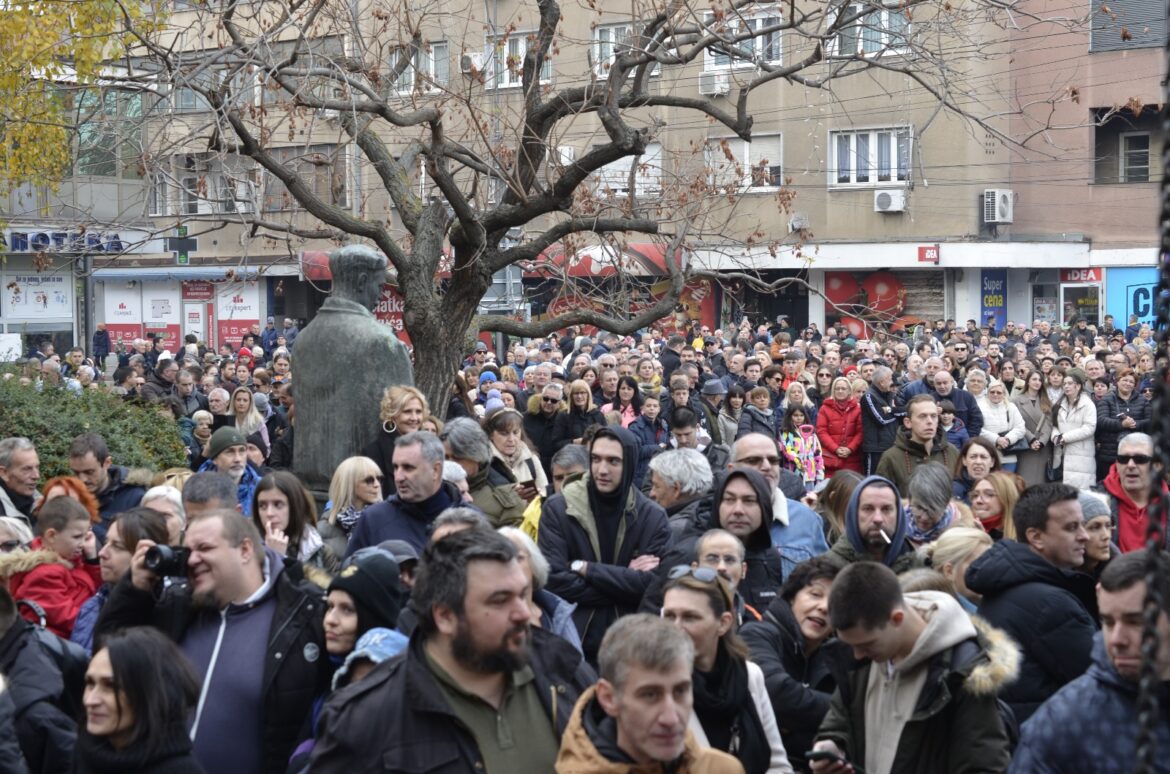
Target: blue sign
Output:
{"points": [[993, 296], [1131, 291]]}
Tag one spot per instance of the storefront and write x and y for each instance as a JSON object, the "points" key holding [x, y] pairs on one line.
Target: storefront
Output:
{"points": [[896, 299], [36, 306], [1131, 291], [1081, 295]]}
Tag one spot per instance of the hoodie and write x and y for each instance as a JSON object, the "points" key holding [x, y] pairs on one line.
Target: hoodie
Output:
{"points": [[851, 547], [1131, 521], [764, 575]]}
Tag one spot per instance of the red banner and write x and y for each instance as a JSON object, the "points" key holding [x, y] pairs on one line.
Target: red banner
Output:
{"points": [[170, 333], [389, 312]]}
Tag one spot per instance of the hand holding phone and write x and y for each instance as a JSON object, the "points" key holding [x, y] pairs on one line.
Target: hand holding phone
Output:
{"points": [[827, 759]]}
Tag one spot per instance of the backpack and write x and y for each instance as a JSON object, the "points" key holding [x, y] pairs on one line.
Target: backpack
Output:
{"points": [[69, 657]]}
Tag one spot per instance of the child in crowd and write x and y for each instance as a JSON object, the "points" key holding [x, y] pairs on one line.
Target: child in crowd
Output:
{"points": [[61, 570], [801, 448], [954, 427], [652, 433], [757, 415]]}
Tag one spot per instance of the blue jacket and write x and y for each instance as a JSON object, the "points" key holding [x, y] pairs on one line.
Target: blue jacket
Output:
{"points": [[958, 435], [649, 436], [87, 618], [246, 490], [803, 537], [558, 616], [1100, 707], [118, 496], [966, 409], [396, 519]]}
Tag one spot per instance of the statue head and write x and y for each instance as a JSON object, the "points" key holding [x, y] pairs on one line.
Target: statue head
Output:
{"points": [[358, 274]]}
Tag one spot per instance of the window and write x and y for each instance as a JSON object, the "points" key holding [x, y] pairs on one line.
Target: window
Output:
{"points": [[238, 88], [870, 158], [322, 167], [201, 184], [160, 198], [432, 63], [109, 125], [506, 61], [750, 51], [871, 32], [611, 40], [1135, 157], [735, 165], [614, 178]]}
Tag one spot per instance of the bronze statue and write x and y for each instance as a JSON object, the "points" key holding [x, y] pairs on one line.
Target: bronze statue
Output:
{"points": [[344, 361]]}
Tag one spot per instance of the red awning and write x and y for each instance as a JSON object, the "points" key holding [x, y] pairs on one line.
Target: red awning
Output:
{"points": [[643, 259]]}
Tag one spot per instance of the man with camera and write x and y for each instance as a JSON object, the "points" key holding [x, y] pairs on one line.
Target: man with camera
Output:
{"points": [[253, 631]]}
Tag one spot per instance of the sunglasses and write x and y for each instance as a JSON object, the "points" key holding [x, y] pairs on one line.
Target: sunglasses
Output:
{"points": [[1139, 459], [8, 546], [551, 400], [701, 574], [370, 480]]}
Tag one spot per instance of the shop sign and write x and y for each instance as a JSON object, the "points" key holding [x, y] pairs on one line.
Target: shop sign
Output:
{"points": [[928, 254], [1081, 275], [64, 242], [194, 290], [1131, 290], [993, 296], [38, 296]]}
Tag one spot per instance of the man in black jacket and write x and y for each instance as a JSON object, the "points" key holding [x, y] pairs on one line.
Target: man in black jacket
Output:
{"points": [[1031, 590], [253, 630], [478, 688], [602, 538]]}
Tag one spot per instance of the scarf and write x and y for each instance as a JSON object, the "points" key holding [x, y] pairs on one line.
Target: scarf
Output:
{"points": [[311, 542], [920, 536], [347, 517], [727, 713]]}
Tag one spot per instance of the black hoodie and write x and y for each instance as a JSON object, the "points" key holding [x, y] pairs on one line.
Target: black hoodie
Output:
{"points": [[607, 508], [764, 575]]}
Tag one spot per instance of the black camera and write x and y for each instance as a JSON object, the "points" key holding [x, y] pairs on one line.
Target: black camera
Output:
{"points": [[167, 561]]}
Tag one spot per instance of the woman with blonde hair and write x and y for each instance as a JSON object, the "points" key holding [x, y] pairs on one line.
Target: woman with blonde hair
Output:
{"points": [[247, 417], [992, 499], [571, 425], [356, 485], [402, 411], [953, 553]]}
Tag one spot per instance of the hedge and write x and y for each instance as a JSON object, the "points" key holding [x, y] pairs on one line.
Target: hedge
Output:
{"points": [[137, 435]]}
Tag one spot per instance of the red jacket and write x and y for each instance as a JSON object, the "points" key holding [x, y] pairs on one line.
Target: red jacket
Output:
{"points": [[1132, 521], [56, 584], [839, 424]]}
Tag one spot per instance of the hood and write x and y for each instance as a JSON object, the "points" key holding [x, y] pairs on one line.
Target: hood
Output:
{"points": [[25, 561], [143, 477], [761, 538], [1003, 660], [1101, 668], [631, 454], [1008, 564], [853, 533], [947, 624]]}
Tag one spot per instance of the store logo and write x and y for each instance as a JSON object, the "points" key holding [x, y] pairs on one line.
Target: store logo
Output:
{"points": [[122, 306]]}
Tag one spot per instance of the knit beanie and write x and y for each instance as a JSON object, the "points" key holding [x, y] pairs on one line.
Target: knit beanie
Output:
{"points": [[224, 438], [1093, 507], [372, 580]]}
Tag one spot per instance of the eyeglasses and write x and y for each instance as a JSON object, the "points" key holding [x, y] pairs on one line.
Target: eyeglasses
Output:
{"points": [[960, 349], [546, 399], [755, 461], [370, 480], [701, 574], [1138, 459]]}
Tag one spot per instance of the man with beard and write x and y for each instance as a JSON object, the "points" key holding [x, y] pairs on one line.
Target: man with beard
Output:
{"points": [[227, 452], [875, 529], [253, 632], [478, 688]]}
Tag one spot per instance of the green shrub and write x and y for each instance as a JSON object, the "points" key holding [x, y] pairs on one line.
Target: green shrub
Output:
{"points": [[137, 436]]}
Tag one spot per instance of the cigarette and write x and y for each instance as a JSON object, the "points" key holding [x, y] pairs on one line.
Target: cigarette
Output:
{"points": [[885, 537]]}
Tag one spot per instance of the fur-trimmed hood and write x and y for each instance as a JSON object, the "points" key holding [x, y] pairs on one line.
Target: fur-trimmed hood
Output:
{"points": [[1003, 660], [139, 477], [26, 561]]}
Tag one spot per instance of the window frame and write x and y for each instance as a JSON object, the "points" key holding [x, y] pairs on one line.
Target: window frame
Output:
{"points": [[861, 31], [271, 186], [494, 67], [601, 65], [873, 157], [742, 150], [427, 58], [760, 14], [612, 177], [1122, 154]]}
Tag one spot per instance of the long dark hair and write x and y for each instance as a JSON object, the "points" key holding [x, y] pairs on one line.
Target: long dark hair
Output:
{"points": [[302, 511], [636, 401], [158, 682]]}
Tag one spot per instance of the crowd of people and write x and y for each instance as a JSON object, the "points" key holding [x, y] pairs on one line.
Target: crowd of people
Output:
{"points": [[758, 550]]}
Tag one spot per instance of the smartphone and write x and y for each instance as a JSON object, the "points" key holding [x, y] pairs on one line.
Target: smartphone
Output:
{"points": [[830, 757]]}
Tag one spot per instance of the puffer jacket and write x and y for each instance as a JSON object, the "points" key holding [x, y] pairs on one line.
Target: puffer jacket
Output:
{"points": [[1109, 741], [1050, 612], [589, 746], [800, 685], [58, 585], [956, 725], [1077, 426], [878, 426], [1109, 430], [123, 492], [839, 424], [1002, 420], [493, 490]]}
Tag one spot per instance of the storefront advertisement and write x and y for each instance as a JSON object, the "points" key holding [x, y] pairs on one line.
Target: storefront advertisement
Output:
{"points": [[123, 311], [389, 312], [993, 297], [161, 312], [38, 296], [237, 309], [1131, 291]]}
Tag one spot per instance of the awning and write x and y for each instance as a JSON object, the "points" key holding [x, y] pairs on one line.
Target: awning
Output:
{"points": [[642, 259], [157, 273]]}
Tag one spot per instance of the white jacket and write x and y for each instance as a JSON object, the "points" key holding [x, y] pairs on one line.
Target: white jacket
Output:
{"points": [[999, 418], [1077, 426], [759, 692]]}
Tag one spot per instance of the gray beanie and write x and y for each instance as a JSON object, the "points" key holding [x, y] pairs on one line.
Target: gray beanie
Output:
{"points": [[1093, 507]]}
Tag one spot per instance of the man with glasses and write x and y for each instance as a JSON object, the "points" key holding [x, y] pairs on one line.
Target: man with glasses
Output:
{"points": [[1128, 488], [540, 421]]}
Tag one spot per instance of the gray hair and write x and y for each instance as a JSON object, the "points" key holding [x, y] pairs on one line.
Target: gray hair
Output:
{"points": [[453, 472], [930, 488], [686, 468], [1135, 438], [168, 493], [714, 533], [461, 517], [10, 446], [468, 441], [211, 487], [642, 640], [219, 391], [881, 372], [429, 445], [571, 456], [536, 560]]}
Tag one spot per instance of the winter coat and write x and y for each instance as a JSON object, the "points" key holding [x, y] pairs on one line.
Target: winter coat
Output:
{"points": [[296, 669], [540, 429], [572, 424], [1110, 412], [1129, 521], [755, 420], [493, 490], [1077, 426], [899, 462], [381, 451], [123, 492], [397, 519], [651, 437], [802, 452], [728, 423], [398, 719], [1002, 420], [589, 746], [46, 733], [839, 424], [97, 756], [956, 725], [569, 531], [1109, 739], [246, 490], [58, 585], [155, 388], [101, 347], [1050, 612], [956, 434], [670, 362], [800, 686], [11, 758], [525, 467], [966, 409], [878, 427]]}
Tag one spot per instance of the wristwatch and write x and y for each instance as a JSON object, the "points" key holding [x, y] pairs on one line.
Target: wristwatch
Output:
{"points": [[577, 566]]}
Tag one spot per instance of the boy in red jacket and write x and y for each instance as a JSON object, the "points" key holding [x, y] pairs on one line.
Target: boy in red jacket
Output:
{"points": [[61, 570]]}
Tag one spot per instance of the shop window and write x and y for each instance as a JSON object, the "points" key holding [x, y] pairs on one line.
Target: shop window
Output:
{"points": [[1126, 145]]}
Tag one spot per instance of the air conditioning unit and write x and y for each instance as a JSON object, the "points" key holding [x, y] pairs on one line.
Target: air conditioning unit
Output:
{"points": [[890, 200], [998, 205], [714, 84], [471, 63]]}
